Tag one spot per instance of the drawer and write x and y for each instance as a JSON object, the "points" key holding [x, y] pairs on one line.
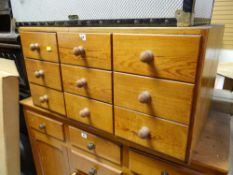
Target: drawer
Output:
{"points": [[93, 83], [96, 145], [45, 125], [44, 73], [88, 111], [91, 166], [143, 165], [48, 98], [165, 56], [161, 98], [90, 49], [157, 134], [39, 45]]}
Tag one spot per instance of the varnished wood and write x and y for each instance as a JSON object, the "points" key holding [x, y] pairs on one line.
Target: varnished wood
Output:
{"points": [[101, 115], [99, 82], [51, 77], [175, 57], [97, 49], [103, 148], [169, 99], [167, 137], [55, 98], [43, 39]]}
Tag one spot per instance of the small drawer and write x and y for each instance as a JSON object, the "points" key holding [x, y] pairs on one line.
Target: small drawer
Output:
{"points": [[96, 145], [84, 164], [161, 98], [90, 49], [143, 165], [92, 83], [157, 134], [48, 98], [45, 125], [39, 45], [88, 111], [44, 73], [164, 56]]}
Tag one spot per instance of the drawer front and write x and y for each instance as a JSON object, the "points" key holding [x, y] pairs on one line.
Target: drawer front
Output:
{"points": [[47, 98], [45, 125], [40, 45], [162, 98], [96, 145], [170, 57], [88, 165], [91, 50], [88, 111], [44, 73], [96, 84], [154, 133], [143, 165]]}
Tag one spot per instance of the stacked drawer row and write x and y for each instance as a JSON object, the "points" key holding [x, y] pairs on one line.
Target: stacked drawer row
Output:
{"points": [[140, 84]]}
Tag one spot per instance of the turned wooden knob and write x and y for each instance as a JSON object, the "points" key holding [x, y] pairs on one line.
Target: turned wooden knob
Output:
{"points": [[147, 56], [79, 51], [39, 73], [164, 173], [144, 97], [42, 126], [44, 98], [144, 132], [75, 173], [81, 83], [92, 171], [34, 46], [85, 112], [90, 146]]}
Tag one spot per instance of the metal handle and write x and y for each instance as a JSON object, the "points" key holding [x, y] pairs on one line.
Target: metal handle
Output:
{"points": [[90, 146], [34, 46], [42, 126], [92, 171], [147, 56], [164, 173], [39, 73], [81, 83], [44, 98], [144, 97], [79, 51], [48, 48], [85, 112], [144, 132]]}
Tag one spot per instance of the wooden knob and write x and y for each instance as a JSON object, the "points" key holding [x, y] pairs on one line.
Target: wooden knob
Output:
{"points": [[92, 171], [42, 126], [75, 173], [34, 46], [147, 56], [144, 132], [90, 146], [144, 97], [85, 112], [81, 83], [44, 98], [39, 73], [79, 51], [164, 173]]}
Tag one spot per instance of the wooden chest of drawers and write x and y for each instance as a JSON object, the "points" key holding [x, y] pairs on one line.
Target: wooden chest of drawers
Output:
{"points": [[148, 88]]}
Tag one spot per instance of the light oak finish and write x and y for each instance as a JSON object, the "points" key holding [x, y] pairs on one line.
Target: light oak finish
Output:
{"points": [[174, 56], [98, 82], [164, 136], [100, 114], [54, 102], [47, 43], [97, 49], [143, 165], [50, 76], [86, 164], [96, 145], [169, 99], [45, 125]]}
